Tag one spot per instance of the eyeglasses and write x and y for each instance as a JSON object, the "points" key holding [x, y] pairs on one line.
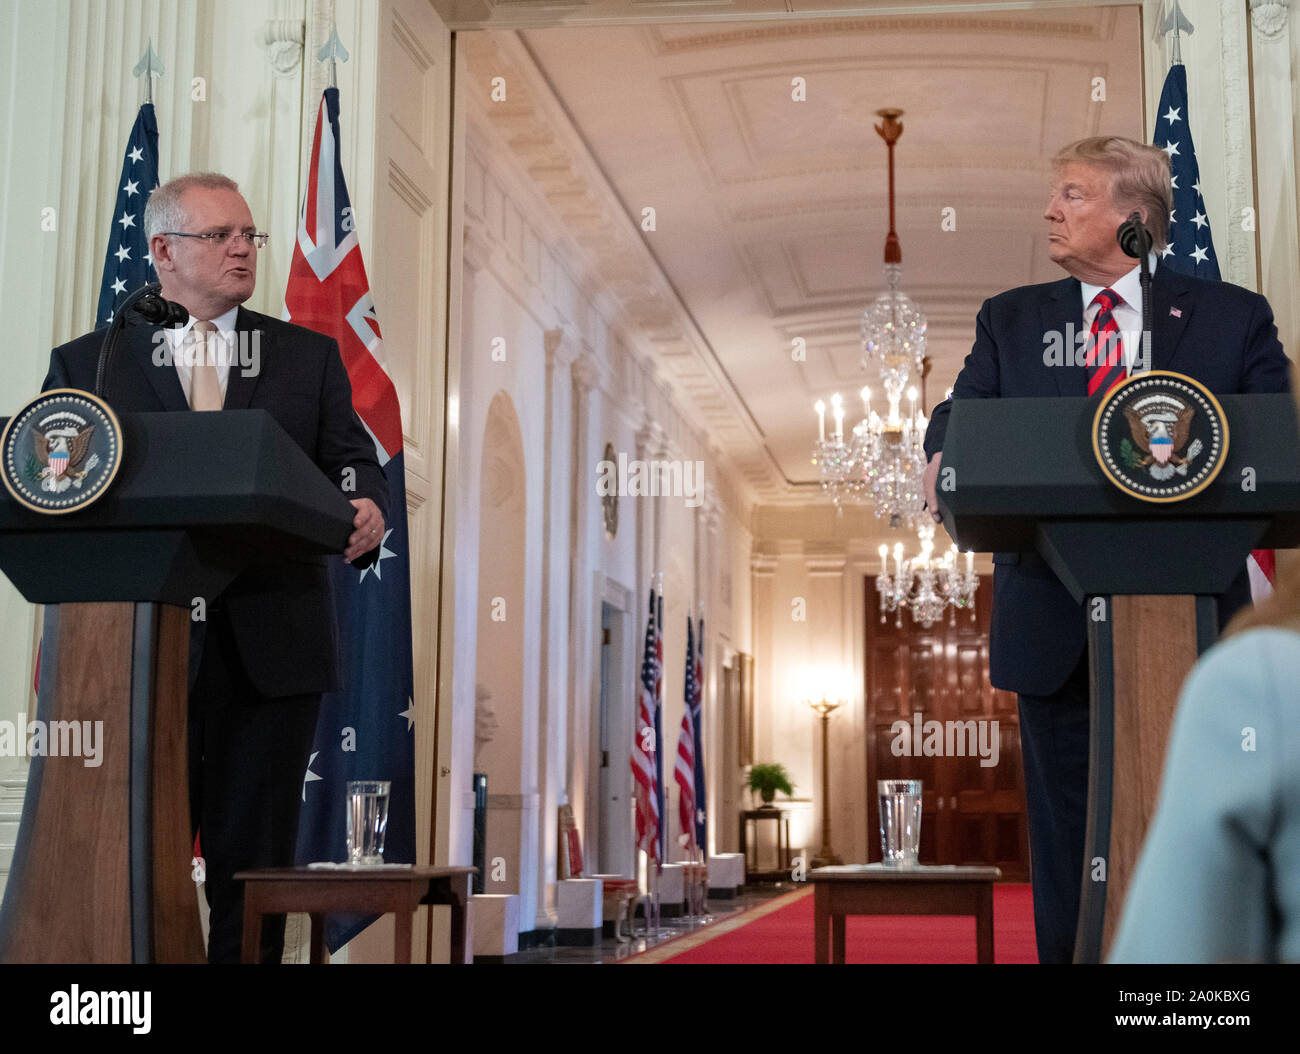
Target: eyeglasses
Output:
{"points": [[219, 238]]}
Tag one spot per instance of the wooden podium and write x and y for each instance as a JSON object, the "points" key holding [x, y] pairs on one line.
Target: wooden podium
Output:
{"points": [[1025, 480], [101, 871]]}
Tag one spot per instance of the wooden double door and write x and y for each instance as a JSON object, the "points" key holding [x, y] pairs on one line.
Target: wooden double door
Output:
{"points": [[935, 681]]}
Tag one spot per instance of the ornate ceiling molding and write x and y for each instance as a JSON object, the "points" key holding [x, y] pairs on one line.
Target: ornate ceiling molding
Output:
{"points": [[530, 125], [741, 34]]}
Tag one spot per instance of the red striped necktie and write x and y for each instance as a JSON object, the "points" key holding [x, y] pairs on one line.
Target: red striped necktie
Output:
{"points": [[1105, 358]]}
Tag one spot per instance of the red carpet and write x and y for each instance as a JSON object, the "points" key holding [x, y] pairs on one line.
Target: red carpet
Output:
{"points": [[785, 935]]}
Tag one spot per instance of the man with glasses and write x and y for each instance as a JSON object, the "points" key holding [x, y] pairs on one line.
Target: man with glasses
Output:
{"points": [[268, 649]]}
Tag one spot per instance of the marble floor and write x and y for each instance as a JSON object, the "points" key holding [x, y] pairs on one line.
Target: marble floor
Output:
{"points": [[610, 951]]}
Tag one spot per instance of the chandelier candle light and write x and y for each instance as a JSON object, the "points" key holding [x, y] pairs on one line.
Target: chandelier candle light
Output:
{"points": [[926, 586]]}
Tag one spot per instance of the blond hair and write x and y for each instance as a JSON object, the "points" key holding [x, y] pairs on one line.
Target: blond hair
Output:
{"points": [[1139, 177], [164, 211]]}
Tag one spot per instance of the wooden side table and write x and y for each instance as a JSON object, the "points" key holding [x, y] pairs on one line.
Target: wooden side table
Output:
{"points": [[323, 891], [782, 820], [873, 889]]}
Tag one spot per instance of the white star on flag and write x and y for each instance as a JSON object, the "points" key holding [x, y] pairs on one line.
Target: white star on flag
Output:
{"points": [[310, 777], [1171, 149], [409, 714], [384, 554], [130, 188], [1197, 186], [1199, 219], [1172, 115], [127, 220], [1168, 250], [119, 286], [123, 253], [1171, 216], [136, 154], [1173, 182], [1199, 255]]}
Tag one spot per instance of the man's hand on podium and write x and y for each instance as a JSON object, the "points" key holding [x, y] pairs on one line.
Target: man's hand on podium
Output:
{"points": [[369, 529], [931, 479]]}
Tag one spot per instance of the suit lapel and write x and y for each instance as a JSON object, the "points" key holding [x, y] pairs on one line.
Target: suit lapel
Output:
{"points": [[1171, 308], [1062, 312], [252, 345], [141, 343]]}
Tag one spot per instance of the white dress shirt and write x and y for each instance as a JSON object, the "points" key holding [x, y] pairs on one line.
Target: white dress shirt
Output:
{"points": [[182, 352], [1128, 315]]}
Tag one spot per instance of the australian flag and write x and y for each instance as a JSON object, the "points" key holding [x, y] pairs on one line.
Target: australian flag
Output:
{"points": [[127, 264], [1190, 249], [365, 730]]}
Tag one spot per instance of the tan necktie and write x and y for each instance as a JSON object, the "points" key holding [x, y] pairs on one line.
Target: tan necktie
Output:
{"points": [[205, 385]]}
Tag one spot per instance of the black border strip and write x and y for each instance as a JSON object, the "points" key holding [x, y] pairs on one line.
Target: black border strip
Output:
{"points": [[1101, 757]]}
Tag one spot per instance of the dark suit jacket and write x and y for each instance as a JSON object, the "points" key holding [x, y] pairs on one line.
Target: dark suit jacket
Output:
{"points": [[1224, 337], [281, 611]]}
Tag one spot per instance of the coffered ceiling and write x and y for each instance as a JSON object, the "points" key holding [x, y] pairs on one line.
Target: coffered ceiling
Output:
{"points": [[771, 213]]}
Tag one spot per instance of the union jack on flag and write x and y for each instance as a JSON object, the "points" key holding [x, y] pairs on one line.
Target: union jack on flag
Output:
{"points": [[365, 729], [645, 743], [684, 772]]}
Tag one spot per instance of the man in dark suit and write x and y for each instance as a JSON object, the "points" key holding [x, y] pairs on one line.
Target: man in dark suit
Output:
{"points": [[268, 648], [1220, 334]]}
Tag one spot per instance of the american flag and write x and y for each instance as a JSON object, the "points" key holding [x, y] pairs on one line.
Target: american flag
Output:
{"points": [[1191, 246], [365, 730], [697, 717], [684, 771], [1190, 249], [645, 744], [127, 263], [660, 788]]}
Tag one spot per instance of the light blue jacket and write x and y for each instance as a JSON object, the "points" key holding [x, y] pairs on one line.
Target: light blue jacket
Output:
{"points": [[1219, 875]]}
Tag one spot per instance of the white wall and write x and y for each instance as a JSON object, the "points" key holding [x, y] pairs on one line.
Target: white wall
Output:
{"points": [[536, 328]]}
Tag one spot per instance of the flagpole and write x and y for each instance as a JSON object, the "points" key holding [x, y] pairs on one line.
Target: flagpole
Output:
{"points": [[333, 52], [149, 66]]}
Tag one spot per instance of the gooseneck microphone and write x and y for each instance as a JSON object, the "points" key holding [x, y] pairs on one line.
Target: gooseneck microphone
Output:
{"points": [[147, 302], [1135, 240], [1133, 237]]}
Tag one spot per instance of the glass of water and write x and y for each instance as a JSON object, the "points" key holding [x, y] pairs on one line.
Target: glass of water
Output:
{"points": [[900, 821], [367, 819]]}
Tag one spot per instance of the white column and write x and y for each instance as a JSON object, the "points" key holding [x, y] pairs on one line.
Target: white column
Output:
{"points": [[767, 610], [711, 719], [553, 718], [463, 551], [585, 380], [1279, 239]]}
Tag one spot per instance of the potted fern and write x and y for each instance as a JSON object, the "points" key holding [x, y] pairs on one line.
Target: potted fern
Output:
{"points": [[766, 779]]}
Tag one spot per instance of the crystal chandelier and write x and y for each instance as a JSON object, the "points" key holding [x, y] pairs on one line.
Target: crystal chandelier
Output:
{"points": [[927, 586], [883, 459]]}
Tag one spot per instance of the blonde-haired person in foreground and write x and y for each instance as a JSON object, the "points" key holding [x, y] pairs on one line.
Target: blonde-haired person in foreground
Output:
{"points": [[1219, 875]]}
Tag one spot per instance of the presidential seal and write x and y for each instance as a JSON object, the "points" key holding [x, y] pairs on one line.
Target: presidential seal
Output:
{"points": [[1160, 436], [61, 451]]}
